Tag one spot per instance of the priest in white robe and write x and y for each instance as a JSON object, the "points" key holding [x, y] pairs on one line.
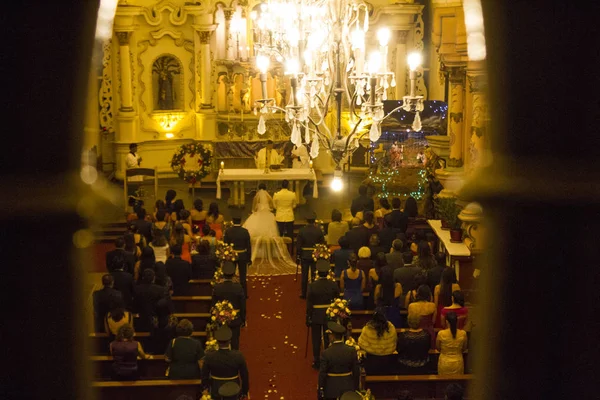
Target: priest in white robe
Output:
{"points": [[268, 156]]}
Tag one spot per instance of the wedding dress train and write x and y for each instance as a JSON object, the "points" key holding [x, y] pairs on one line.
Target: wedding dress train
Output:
{"points": [[270, 255]]}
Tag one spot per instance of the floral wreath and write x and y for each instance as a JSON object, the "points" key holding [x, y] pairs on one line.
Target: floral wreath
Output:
{"points": [[321, 251], [339, 310], [192, 175], [225, 252], [221, 314]]}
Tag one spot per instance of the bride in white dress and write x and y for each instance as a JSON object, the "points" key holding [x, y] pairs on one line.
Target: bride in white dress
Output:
{"points": [[270, 255]]}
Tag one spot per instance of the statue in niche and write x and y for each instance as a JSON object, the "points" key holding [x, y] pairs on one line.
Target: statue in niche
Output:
{"points": [[166, 69]]}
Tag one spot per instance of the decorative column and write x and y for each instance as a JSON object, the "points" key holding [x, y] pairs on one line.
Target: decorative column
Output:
{"points": [[478, 120], [125, 67], [205, 69], [229, 46], [456, 77], [400, 72]]}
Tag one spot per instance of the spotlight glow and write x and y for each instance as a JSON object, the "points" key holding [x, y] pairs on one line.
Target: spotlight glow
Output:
{"points": [[337, 184]]}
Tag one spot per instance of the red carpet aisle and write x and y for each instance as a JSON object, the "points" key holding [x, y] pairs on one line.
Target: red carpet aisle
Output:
{"points": [[275, 341]]}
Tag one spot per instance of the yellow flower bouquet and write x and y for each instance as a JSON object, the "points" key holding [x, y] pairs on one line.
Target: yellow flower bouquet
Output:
{"points": [[321, 251], [225, 252]]}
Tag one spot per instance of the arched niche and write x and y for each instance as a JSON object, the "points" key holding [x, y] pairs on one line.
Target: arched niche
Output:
{"points": [[167, 83]]}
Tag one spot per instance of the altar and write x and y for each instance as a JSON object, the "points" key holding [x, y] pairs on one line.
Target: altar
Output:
{"points": [[239, 177]]}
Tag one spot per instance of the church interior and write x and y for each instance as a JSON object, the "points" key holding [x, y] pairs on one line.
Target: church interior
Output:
{"points": [[420, 144]]}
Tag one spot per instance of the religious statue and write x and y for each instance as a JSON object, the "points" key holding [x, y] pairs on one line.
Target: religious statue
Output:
{"points": [[396, 155], [166, 67]]}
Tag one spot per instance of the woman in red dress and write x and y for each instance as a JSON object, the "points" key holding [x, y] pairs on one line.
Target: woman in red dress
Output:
{"points": [[458, 306]]}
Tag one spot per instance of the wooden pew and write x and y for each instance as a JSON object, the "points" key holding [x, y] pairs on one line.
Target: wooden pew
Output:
{"points": [[147, 389], [200, 287], [420, 386], [192, 304], [153, 368], [99, 342]]}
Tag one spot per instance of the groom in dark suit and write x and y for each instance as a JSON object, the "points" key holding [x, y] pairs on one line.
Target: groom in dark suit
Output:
{"points": [[239, 237]]}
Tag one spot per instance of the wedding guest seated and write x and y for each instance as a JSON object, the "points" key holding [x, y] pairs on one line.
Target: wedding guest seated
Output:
{"points": [[209, 235], [369, 223], [162, 278], [352, 283], [105, 300], [340, 256], [451, 343], [203, 264], [125, 352], [357, 236], [384, 209], [181, 238], [184, 353], [374, 246], [413, 348], [458, 307], [143, 226], [198, 214], [425, 309], [147, 296], [388, 295], [160, 246], [418, 280], [119, 251], [364, 260], [123, 281], [378, 339], [115, 319], [410, 208], [215, 219], [180, 272], [442, 293], [147, 261], [185, 219], [424, 258], [373, 278], [336, 228], [161, 223]]}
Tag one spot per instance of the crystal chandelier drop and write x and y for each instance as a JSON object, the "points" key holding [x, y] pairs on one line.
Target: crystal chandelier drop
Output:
{"points": [[321, 44]]}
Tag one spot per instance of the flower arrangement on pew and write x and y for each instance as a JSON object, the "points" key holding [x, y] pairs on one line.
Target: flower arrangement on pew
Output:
{"points": [[225, 252], [205, 396], [321, 251], [222, 313], [359, 352], [331, 276], [217, 277], [339, 311], [211, 345]]}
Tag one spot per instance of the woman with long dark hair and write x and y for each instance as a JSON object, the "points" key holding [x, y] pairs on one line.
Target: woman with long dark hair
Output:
{"points": [[181, 238], [130, 245], [198, 214], [373, 277], [451, 343], [378, 339], [352, 283], [442, 293], [176, 209], [410, 208], [384, 209], [159, 245], [215, 219], [419, 279], [161, 278], [387, 296], [424, 258], [115, 319], [147, 261], [458, 307], [169, 197]]}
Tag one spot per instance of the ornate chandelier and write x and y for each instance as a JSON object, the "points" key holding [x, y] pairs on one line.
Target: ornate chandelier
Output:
{"points": [[321, 44]]}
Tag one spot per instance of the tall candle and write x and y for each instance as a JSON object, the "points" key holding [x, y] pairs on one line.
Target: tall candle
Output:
{"points": [[222, 165]]}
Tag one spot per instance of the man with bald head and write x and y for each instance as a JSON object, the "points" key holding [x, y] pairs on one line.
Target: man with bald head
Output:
{"points": [[358, 235]]}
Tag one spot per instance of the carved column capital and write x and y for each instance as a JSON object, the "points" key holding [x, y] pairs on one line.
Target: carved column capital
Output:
{"points": [[123, 38], [456, 75], [228, 12], [204, 36], [401, 36]]}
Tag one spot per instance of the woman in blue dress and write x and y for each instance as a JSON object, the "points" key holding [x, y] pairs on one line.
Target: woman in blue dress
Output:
{"points": [[353, 283], [387, 296]]}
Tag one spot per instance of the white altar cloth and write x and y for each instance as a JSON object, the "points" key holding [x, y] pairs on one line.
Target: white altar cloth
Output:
{"points": [[239, 176]]}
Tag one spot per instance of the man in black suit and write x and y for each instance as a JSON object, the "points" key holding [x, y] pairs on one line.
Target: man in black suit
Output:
{"points": [[321, 294], [234, 293], [358, 235], [405, 276], [395, 258], [180, 272], [308, 236], [224, 365], [105, 300], [387, 234], [120, 252], [144, 227], [339, 371], [123, 281], [397, 218], [239, 237], [147, 299], [363, 202]]}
